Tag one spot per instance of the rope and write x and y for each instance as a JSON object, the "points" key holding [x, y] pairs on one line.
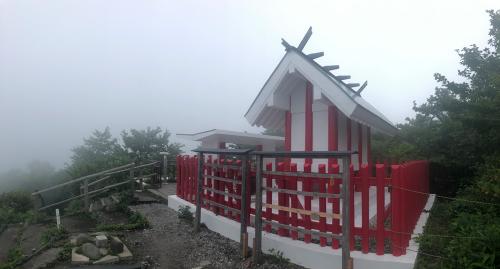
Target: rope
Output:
{"points": [[439, 235], [423, 253], [446, 197]]}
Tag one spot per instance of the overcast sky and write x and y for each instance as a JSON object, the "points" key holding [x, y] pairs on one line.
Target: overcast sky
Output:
{"points": [[69, 67]]}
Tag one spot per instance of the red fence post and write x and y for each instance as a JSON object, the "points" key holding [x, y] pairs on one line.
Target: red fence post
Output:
{"points": [[222, 187], [380, 178], [195, 178], [365, 208], [351, 205], [283, 215], [238, 189], [335, 206], [292, 185], [216, 187], [269, 197], [230, 175], [396, 213], [209, 180], [322, 204], [307, 202], [178, 176], [405, 207]]}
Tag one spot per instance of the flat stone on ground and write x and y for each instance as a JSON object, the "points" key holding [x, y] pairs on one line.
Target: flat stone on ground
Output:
{"points": [[125, 254], [78, 259], [107, 259]]}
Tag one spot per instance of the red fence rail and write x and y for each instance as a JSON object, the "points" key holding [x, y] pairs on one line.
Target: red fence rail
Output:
{"points": [[385, 205]]}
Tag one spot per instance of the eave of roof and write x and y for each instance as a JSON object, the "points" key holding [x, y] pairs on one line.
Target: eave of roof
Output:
{"points": [[353, 95]]}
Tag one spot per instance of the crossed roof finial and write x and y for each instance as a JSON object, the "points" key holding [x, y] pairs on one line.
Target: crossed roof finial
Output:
{"points": [[326, 68]]}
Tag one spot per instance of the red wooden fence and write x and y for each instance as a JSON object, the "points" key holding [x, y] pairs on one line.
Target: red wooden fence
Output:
{"points": [[399, 193]]}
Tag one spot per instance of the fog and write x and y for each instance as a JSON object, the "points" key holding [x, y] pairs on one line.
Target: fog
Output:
{"points": [[69, 67]]}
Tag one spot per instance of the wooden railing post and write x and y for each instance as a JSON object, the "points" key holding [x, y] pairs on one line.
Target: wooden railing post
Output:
{"points": [[243, 209], [380, 178], [132, 180], [86, 193], [257, 246], [346, 213]]}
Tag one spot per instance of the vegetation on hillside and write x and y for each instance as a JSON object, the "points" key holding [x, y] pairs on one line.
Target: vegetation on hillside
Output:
{"points": [[458, 130]]}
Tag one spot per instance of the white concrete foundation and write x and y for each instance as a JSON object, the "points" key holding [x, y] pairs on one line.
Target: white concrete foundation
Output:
{"points": [[308, 255]]}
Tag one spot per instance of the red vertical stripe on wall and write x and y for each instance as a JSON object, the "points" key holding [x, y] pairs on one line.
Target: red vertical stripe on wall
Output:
{"points": [[288, 131], [368, 145], [348, 129], [333, 138], [360, 145], [309, 120]]}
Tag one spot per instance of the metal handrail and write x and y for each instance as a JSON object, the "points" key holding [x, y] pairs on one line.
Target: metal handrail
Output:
{"points": [[81, 179]]}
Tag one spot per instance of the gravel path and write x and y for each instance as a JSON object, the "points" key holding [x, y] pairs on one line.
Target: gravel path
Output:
{"points": [[172, 243]]}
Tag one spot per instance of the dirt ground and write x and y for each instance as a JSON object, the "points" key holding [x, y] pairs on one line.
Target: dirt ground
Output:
{"points": [[172, 243]]}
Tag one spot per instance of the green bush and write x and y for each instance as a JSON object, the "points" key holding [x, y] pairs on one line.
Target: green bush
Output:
{"points": [[184, 213], [474, 228], [52, 235], [16, 207]]}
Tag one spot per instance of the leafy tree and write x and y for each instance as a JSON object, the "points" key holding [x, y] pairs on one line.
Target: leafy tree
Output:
{"points": [[100, 151], [458, 129], [146, 145]]}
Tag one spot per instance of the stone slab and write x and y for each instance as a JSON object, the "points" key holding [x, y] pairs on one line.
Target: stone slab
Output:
{"points": [[125, 255], [107, 259], [78, 259]]}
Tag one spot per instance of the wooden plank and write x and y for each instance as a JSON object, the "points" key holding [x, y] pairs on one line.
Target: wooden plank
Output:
{"points": [[313, 214], [222, 206], [222, 192], [223, 179], [302, 230], [331, 67], [305, 193], [315, 55], [362, 87], [303, 174], [304, 40], [343, 77], [213, 165]]}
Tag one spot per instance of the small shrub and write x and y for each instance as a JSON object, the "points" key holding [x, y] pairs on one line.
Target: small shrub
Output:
{"points": [[14, 257], [184, 213], [52, 235], [65, 253], [276, 257]]}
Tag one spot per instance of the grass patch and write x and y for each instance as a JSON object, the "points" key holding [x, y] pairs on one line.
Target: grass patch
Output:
{"points": [[53, 235], [136, 222], [276, 257]]}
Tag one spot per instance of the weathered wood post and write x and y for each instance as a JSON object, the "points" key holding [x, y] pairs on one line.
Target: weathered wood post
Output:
{"points": [[199, 192], [346, 255], [257, 245], [165, 166], [132, 180], [243, 209], [86, 194], [141, 185]]}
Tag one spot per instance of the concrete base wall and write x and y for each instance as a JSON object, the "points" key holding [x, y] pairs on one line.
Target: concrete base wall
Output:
{"points": [[307, 255]]}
